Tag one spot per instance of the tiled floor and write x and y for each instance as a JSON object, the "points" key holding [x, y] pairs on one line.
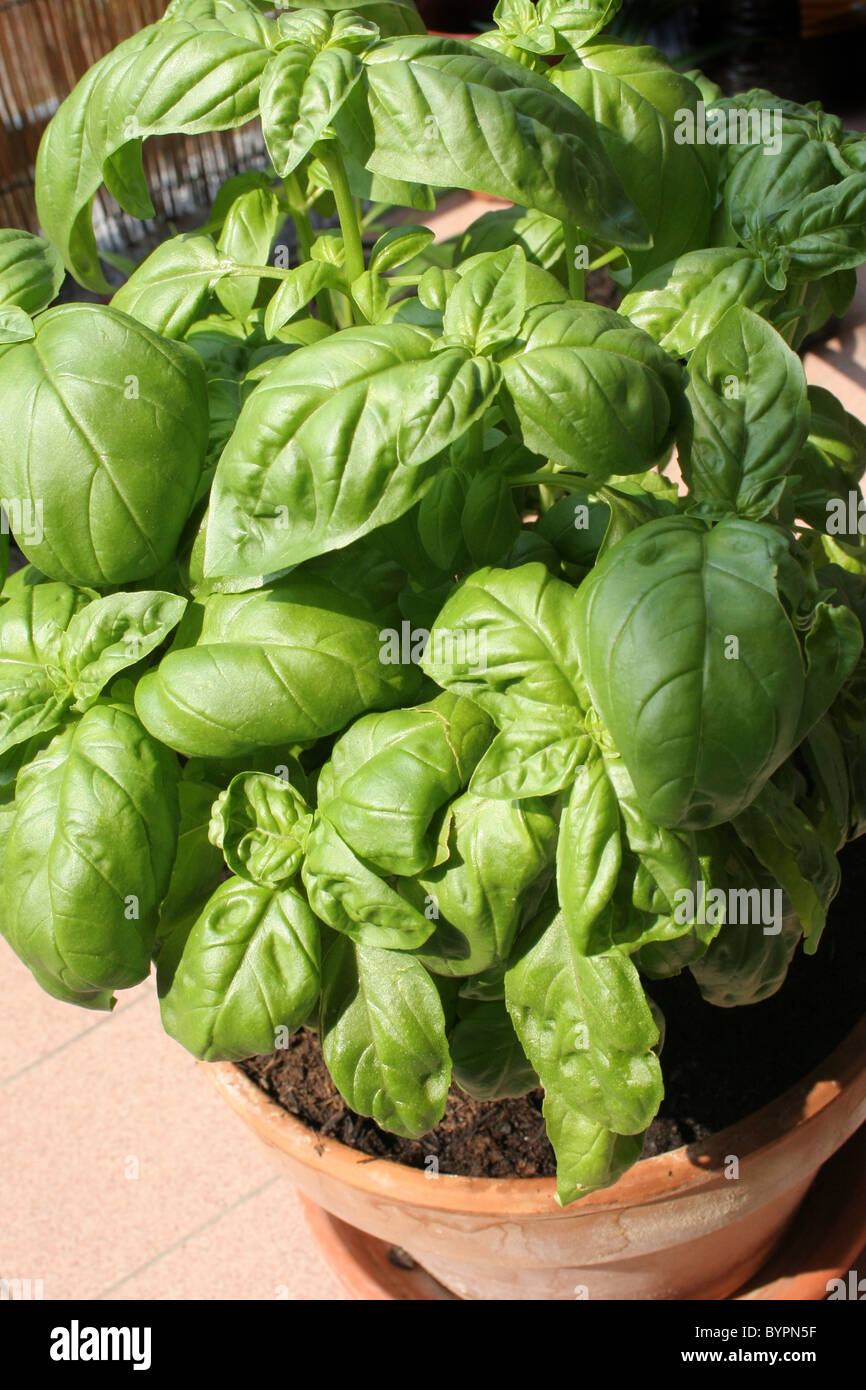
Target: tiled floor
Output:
{"points": [[122, 1173]]}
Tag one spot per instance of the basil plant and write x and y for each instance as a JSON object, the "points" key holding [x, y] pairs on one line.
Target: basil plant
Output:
{"points": [[367, 673]]}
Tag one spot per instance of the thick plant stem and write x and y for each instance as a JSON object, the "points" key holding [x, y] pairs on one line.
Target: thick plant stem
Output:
{"points": [[576, 276], [347, 212]]}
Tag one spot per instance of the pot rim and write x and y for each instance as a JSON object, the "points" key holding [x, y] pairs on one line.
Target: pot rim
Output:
{"points": [[691, 1167]]}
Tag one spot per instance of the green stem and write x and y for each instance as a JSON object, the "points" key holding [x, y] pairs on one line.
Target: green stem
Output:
{"points": [[349, 223], [304, 228], [576, 276], [608, 256]]}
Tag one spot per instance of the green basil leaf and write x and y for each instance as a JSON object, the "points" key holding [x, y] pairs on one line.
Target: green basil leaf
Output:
{"points": [[663, 178], [497, 851], [298, 290], [591, 392], [589, 858], [250, 968], [261, 823], [383, 1036], [439, 516], [176, 78], [371, 293], [390, 774], [34, 695], [171, 287], [303, 88], [787, 844], [341, 438], [489, 1063], [490, 521], [90, 852], [391, 17], [114, 498], [681, 302], [747, 390], [666, 695], [506, 640], [532, 757], [247, 235], [349, 895], [16, 326], [586, 1028], [31, 271], [113, 633], [397, 246], [278, 665], [577, 20], [486, 309], [588, 1156], [541, 238], [546, 153]]}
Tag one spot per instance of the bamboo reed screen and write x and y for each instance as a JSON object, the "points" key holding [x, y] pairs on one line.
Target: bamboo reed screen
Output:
{"points": [[45, 46]]}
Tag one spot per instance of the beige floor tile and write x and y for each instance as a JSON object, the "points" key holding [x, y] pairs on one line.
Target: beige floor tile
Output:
{"points": [[112, 1151], [34, 1026], [258, 1250]]}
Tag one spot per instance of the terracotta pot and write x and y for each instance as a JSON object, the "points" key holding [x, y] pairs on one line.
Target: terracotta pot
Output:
{"points": [[697, 1222]]}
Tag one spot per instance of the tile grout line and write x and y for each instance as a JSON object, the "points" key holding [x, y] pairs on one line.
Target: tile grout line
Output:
{"points": [[190, 1235], [85, 1033]]}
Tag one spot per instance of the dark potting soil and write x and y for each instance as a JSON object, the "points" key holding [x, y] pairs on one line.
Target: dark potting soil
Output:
{"points": [[719, 1064]]}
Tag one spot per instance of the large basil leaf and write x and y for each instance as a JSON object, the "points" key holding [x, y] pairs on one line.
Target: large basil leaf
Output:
{"points": [[31, 270], [348, 894], [678, 304], [108, 457], [489, 1063], [274, 666], [586, 1028], [250, 967], [667, 694], [591, 392], [90, 852], [383, 1036], [391, 773], [497, 851], [487, 123], [174, 77], [747, 391], [339, 439], [664, 179]]}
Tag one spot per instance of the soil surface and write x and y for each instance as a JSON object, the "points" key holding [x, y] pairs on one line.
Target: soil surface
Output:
{"points": [[719, 1064]]}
